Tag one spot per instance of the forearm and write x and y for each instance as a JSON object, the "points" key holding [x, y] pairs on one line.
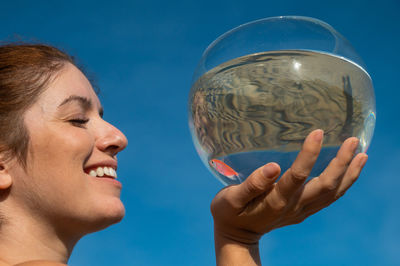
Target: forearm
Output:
{"points": [[232, 253]]}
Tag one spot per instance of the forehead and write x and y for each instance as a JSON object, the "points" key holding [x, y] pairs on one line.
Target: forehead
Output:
{"points": [[69, 81]]}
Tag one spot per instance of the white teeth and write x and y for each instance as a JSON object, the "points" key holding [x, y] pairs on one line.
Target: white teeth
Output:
{"points": [[106, 171], [103, 171], [93, 173], [113, 173], [100, 171]]}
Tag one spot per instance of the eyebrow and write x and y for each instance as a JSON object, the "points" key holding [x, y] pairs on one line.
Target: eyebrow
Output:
{"points": [[84, 102]]}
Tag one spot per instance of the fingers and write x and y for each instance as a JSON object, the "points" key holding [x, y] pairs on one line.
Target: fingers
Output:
{"points": [[323, 200], [331, 177], [352, 174], [257, 183], [316, 197], [294, 177]]}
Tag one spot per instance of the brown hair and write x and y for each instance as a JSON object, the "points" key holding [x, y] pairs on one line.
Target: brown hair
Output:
{"points": [[25, 71]]}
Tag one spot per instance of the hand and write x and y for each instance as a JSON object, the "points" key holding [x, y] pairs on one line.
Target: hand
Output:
{"points": [[243, 213]]}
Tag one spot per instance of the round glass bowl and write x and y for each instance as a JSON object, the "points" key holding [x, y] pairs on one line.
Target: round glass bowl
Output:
{"points": [[262, 87]]}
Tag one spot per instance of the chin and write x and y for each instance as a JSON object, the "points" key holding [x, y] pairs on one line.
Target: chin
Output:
{"points": [[107, 215], [116, 214]]}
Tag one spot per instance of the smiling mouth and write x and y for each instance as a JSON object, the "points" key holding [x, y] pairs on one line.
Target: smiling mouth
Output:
{"points": [[102, 171]]}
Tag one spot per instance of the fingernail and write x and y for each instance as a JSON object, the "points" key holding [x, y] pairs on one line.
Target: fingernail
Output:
{"points": [[354, 145], [270, 170], [318, 135], [363, 161]]}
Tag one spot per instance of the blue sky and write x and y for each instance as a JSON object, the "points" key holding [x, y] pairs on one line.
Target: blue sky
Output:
{"points": [[143, 54]]}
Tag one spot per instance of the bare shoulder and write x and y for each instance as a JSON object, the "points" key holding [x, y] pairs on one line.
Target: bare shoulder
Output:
{"points": [[2, 263], [39, 263], [35, 263]]}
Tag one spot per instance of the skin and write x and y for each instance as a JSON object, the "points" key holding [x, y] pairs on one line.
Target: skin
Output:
{"points": [[243, 213], [52, 203]]}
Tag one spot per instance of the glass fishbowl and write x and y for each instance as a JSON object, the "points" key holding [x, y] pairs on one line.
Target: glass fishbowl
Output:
{"points": [[262, 87]]}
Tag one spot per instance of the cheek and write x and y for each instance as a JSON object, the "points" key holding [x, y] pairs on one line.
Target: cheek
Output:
{"points": [[55, 166], [60, 149]]}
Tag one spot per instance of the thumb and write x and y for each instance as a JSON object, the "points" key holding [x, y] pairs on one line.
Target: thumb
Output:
{"points": [[257, 183]]}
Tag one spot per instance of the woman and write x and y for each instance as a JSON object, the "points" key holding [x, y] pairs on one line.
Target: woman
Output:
{"points": [[58, 170]]}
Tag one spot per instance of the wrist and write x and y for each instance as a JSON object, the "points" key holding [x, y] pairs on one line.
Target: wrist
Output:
{"points": [[231, 234], [233, 251]]}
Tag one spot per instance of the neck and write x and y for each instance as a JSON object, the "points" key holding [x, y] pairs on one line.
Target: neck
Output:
{"points": [[26, 239]]}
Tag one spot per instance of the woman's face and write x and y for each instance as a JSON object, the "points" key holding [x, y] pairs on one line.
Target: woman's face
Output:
{"points": [[70, 142]]}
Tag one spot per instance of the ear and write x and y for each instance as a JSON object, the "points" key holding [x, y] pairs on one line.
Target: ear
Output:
{"points": [[5, 177]]}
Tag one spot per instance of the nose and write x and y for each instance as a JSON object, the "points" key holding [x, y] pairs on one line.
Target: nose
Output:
{"points": [[110, 139]]}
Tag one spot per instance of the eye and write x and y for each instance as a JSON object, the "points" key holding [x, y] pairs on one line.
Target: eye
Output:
{"points": [[79, 122]]}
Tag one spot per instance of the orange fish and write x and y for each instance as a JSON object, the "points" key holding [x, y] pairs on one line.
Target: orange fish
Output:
{"points": [[224, 169]]}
